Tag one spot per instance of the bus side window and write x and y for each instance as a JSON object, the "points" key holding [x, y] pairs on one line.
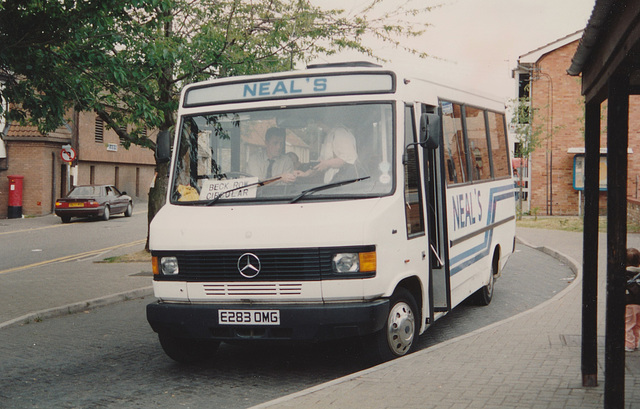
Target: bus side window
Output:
{"points": [[412, 191], [499, 150], [477, 136], [454, 149]]}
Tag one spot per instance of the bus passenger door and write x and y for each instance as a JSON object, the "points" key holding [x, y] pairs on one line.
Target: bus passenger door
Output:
{"points": [[436, 225], [416, 247]]}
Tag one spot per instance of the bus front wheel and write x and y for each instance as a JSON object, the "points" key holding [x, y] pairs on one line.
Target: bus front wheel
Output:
{"points": [[398, 336], [188, 351]]}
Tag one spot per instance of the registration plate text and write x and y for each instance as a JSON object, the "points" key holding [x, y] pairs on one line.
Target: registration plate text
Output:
{"points": [[249, 317]]}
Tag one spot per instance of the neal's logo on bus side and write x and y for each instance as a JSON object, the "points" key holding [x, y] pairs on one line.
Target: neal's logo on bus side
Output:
{"points": [[467, 209], [286, 87]]}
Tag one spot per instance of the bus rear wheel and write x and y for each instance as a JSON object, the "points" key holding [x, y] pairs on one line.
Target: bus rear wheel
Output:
{"points": [[484, 295], [398, 336], [188, 351]]}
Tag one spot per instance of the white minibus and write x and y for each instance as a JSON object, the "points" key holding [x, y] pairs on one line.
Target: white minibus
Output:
{"points": [[343, 200]]}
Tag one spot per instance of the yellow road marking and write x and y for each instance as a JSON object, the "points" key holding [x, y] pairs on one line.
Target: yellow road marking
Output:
{"points": [[52, 226], [73, 257], [33, 229]]}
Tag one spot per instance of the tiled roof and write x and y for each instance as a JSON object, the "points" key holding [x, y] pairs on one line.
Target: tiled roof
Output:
{"points": [[28, 131], [23, 131]]}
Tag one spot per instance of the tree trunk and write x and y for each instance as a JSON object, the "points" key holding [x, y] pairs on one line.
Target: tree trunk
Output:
{"points": [[157, 194]]}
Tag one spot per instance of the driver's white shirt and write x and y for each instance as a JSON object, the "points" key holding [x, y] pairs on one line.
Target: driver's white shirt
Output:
{"points": [[339, 143]]}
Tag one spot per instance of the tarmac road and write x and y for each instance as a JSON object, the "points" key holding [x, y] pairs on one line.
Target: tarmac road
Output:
{"points": [[109, 357]]}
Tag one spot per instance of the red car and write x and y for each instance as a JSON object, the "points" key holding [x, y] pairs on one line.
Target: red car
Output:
{"points": [[94, 201]]}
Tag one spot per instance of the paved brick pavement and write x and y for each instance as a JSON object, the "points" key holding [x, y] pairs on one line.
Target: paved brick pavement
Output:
{"points": [[67, 286], [531, 360]]}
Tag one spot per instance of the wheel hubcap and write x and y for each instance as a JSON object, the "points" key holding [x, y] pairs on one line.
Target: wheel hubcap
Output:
{"points": [[400, 328]]}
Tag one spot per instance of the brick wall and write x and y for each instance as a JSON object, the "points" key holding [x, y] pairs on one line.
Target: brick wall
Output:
{"points": [[37, 159], [559, 112], [633, 211], [91, 151], [39, 163], [130, 170]]}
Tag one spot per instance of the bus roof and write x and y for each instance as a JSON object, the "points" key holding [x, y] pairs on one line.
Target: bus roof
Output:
{"points": [[322, 80]]}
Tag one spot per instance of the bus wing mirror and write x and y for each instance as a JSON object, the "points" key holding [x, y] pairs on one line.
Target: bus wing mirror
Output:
{"points": [[429, 130], [163, 147]]}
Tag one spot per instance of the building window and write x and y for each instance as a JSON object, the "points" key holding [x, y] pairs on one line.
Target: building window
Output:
{"points": [[523, 85], [523, 110], [122, 139], [137, 181], [99, 130]]}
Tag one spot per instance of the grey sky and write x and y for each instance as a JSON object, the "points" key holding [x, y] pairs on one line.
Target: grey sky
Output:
{"points": [[477, 42]]}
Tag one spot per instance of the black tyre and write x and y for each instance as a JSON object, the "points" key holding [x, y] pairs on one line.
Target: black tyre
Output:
{"points": [[398, 336], [484, 295], [188, 351], [106, 214], [65, 219], [129, 211]]}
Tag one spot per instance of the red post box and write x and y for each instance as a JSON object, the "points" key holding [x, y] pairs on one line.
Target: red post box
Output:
{"points": [[15, 196]]}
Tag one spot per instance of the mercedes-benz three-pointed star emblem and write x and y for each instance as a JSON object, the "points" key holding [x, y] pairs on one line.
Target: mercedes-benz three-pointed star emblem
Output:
{"points": [[249, 265]]}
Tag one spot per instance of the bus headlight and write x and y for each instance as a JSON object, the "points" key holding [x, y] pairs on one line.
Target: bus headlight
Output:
{"points": [[346, 263], [165, 265], [354, 262]]}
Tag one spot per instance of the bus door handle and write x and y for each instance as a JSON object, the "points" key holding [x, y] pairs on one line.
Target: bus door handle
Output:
{"points": [[435, 253]]}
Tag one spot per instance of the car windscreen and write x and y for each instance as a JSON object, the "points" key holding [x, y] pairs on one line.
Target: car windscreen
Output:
{"points": [[85, 191]]}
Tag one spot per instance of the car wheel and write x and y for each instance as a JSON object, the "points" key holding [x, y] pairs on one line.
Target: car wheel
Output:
{"points": [[398, 336], [106, 214], [129, 211], [65, 219], [188, 351]]}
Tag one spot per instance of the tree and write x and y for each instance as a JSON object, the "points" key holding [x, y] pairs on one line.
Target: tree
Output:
{"points": [[528, 136], [127, 59]]}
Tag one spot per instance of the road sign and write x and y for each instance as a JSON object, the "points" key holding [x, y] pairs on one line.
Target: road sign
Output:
{"points": [[68, 154]]}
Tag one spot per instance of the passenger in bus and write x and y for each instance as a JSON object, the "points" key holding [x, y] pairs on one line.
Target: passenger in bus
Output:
{"points": [[632, 309], [272, 161], [295, 159], [338, 155]]}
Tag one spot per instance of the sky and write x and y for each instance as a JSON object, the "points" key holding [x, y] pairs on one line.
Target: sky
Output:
{"points": [[476, 43]]}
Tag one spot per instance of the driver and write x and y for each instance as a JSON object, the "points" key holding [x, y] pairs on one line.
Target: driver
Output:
{"points": [[272, 161]]}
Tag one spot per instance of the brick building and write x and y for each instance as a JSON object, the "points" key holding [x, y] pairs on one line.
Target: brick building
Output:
{"points": [[554, 188], [100, 159]]}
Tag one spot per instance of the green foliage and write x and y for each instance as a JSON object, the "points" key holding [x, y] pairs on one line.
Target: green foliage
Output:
{"points": [[527, 133], [127, 59]]}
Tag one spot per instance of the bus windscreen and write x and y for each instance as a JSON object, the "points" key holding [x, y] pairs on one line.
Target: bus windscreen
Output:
{"points": [[287, 154]]}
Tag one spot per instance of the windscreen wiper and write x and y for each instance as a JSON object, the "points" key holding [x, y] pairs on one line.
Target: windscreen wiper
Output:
{"points": [[325, 187], [258, 183]]}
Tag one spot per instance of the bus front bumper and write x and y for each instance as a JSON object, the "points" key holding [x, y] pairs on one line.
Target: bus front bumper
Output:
{"points": [[318, 322]]}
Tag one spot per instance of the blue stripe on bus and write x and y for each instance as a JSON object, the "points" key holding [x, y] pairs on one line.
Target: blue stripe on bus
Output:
{"points": [[476, 253]]}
